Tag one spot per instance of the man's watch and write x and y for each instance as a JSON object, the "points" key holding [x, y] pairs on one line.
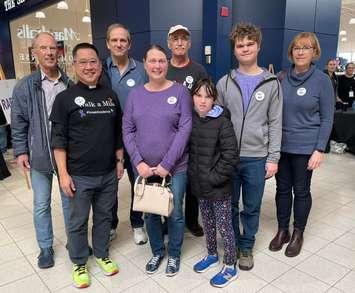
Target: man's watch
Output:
{"points": [[120, 160]]}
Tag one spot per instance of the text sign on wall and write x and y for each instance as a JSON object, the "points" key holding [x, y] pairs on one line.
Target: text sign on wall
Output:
{"points": [[11, 4], [6, 88]]}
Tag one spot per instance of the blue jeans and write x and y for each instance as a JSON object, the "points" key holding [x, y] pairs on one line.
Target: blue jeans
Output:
{"points": [[176, 222], [293, 175], [248, 178], [42, 193]]}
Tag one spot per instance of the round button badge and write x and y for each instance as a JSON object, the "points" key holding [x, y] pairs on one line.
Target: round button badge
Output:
{"points": [[259, 96], [189, 79], [301, 91], [80, 101], [131, 82], [171, 100]]}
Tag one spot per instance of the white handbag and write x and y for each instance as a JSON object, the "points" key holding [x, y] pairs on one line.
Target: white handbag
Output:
{"points": [[153, 198]]}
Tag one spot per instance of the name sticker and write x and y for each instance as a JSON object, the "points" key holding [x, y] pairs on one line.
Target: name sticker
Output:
{"points": [[259, 96], [171, 100], [131, 82], [301, 91]]}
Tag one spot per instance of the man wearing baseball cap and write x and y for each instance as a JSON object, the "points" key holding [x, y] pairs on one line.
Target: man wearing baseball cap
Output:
{"points": [[187, 72]]}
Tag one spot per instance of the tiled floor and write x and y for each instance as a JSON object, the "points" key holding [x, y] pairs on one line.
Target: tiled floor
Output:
{"points": [[326, 264]]}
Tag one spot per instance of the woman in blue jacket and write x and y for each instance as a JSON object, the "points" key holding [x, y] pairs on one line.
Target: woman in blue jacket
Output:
{"points": [[307, 122]]}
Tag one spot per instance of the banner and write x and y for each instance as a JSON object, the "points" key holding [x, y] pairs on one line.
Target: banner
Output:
{"points": [[6, 88]]}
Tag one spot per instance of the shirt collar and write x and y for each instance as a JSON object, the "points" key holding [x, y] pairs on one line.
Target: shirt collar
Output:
{"points": [[131, 63], [44, 76]]}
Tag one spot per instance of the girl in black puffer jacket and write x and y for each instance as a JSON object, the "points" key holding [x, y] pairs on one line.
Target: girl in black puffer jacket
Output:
{"points": [[213, 157]]}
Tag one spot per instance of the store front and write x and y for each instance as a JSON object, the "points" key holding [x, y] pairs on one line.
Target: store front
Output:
{"points": [[70, 23]]}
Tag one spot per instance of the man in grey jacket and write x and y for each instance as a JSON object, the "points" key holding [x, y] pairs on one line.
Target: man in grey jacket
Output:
{"points": [[33, 97], [254, 98]]}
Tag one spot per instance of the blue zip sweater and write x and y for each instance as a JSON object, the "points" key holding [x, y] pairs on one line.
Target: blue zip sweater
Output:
{"points": [[308, 110]]}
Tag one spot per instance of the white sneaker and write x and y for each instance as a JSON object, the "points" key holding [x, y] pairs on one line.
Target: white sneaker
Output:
{"points": [[140, 237], [113, 234]]}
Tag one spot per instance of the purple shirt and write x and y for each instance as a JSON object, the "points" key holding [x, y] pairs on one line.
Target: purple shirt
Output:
{"points": [[247, 84], [157, 126]]}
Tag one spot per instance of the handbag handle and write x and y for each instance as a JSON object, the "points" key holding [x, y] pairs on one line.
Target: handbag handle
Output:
{"points": [[144, 181]]}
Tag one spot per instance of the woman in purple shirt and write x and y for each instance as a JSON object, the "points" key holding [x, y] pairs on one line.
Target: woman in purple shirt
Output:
{"points": [[156, 128]]}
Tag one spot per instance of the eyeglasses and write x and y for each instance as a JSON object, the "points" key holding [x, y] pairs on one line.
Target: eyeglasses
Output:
{"points": [[46, 48], [83, 63], [303, 49], [154, 61]]}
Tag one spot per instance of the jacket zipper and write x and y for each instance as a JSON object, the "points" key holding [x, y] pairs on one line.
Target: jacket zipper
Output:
{"points": [[246, 111]]}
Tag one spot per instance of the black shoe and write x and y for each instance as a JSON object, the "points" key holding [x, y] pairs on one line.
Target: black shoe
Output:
{"points": [[196, 230], [90, 249], [46, 258]]}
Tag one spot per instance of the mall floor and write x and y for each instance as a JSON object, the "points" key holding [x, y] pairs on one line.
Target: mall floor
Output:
{"points": [[326, 264]]}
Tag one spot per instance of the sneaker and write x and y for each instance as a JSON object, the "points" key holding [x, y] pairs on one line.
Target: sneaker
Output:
{"points": [[107, 265], [113, 234], [246, 260], [153, 264], [224, 277], [173, 266], [46, 258], [140, 237], [206, 263], [80, 276]]}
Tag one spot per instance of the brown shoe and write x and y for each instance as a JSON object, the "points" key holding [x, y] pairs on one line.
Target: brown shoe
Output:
{"points": [[282, 237], [295, 245]]}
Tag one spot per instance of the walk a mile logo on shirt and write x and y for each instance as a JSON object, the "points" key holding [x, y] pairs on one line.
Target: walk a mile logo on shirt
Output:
{"points": [[259, 96], [301, 91], [80, 101], [131, 82], [171, 100]]}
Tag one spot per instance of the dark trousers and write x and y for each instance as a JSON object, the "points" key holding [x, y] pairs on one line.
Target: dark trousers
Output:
{"points": [[99, 193], [191, 207], [136, 218], [217, 215], [293, 175]]}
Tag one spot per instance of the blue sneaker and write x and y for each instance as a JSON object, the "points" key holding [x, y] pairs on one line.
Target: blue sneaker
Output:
{"points": [[206, 263], [173, 266], [224, 277], [153, 264]]}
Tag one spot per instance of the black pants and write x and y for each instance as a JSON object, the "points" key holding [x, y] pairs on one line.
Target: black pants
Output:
{"points": [[191, 207], [293, 175], [136, 218], [4, 171], [97, 192]]}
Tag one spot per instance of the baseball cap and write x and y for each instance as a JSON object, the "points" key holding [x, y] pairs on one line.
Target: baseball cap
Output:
{"points": [[178, 27]]}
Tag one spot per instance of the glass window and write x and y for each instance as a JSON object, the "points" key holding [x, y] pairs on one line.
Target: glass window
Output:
{"points": [[69, 26]]}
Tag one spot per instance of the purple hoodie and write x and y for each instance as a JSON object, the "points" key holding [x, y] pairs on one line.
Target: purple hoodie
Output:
{"points": [[157, 126]]}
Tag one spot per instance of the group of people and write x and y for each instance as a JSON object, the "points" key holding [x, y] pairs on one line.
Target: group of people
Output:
{"points": [[166, 118], [343, 85]]}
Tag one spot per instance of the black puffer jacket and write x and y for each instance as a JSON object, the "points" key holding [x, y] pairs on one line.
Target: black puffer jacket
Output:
{"points": [[213, 156]]}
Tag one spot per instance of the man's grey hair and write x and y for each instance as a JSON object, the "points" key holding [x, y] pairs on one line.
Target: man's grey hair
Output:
{"points": [[34, 40]]}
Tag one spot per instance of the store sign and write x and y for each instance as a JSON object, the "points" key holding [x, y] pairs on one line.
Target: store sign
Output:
{"points": [[26, 32], [11, 4], [6, 88]]}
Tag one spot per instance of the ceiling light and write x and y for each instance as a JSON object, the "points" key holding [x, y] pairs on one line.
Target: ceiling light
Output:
{"points": [[63, 5], [342, 33], [40, 14], [344, 39], [352, 20], [86, 19]]}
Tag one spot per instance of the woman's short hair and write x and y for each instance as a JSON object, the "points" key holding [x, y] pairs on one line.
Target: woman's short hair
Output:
{"points": [[305, 35], [156, 47]]}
